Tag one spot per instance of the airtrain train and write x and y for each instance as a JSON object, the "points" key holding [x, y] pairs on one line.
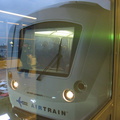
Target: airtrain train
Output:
{"points": [[66, 62]]}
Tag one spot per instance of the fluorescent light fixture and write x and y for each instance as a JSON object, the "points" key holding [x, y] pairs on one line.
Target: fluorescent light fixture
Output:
{"points": [[4, 117], [20, 15]]}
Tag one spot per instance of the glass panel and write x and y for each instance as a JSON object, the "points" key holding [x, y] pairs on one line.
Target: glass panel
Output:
{"points": [[48, 50], [60, 58]]}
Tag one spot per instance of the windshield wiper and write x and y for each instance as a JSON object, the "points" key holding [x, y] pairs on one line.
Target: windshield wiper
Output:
{"points": [[58, 56]]}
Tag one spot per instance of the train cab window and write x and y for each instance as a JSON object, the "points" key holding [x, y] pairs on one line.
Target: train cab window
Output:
{"points": [[48, 48]]}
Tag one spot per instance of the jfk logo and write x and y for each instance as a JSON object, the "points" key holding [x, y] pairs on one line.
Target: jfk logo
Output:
{"points": [[21, 102]]}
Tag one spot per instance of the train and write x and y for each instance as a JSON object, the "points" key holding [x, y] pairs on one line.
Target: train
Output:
{"points": [[65, 62]]}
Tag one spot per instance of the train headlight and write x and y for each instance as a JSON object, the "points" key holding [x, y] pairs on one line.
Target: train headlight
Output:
{"points": [[80, 86], [14, 84], [68, 95]]}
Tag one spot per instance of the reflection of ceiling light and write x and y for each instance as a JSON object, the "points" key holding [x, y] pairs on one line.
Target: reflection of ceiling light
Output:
{"points": [[4, 117], [20, 15], [62, 33], [13, 23], [59, 33], [33, 100], [71, 36], [1, 21], [45, 32], [11, 42], [24, 24], [53, 97]]}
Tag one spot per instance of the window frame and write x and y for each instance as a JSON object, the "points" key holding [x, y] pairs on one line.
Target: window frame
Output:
{"points": [[46, 25]]}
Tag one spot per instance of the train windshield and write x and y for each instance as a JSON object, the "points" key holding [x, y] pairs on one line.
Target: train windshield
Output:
{"points": [[48, 48]]}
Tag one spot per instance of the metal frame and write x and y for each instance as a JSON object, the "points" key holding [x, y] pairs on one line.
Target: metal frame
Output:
{"points": [[112, 109]]}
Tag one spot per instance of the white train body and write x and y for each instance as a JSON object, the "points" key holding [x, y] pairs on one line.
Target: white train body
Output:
{"points": [[68, 86]]}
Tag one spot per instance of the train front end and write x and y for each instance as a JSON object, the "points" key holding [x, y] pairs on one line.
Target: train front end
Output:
{"points": [[63, 69]]}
